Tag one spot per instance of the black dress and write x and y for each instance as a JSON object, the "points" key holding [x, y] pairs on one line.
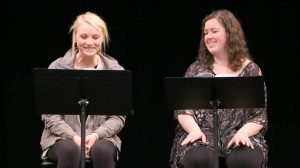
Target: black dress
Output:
{"points": [[230, 121]]}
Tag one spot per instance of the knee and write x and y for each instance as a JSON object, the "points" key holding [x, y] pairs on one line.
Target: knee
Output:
{"points": [[71, 150], [198, 158], [195, 160], [192, 160], [105, 149], [246, 158]]}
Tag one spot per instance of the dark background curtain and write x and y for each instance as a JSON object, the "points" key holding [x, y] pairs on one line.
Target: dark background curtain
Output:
{"points": [[153, 39]]}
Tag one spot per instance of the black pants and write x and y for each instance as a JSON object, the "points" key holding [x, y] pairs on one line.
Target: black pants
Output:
{"points": [[241, 157], [67, 154]]}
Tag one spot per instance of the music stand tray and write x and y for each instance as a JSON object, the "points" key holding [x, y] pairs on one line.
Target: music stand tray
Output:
{"points": [[217, 92], [81, 92]]}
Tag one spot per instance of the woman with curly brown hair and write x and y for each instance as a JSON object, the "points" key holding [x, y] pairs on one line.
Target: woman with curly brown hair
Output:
{"points": [[223, 52]]}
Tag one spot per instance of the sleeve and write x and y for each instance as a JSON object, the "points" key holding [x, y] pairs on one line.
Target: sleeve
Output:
{"points": [[191, 71], [258, 115], [112, 126], [56, 125]]}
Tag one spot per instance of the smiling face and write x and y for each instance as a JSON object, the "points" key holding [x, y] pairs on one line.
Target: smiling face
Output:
{"points": [[88, 39], [215, 37]]}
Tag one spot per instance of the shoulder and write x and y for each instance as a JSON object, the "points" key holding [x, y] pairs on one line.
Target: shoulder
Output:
{"points": [[65, 62], [252, 69], [110, 62], [192, 69], [193, 65], [107, 57], [54, 64]]}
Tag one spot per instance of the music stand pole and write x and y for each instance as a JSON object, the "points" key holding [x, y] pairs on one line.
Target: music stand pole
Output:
{"points": [[215, 103], [83, 103]]}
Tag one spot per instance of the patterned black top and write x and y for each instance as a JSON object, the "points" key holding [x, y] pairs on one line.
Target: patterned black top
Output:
{"points": [[230, 121]]}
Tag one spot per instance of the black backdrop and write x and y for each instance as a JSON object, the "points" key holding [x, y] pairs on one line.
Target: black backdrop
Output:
{"points": [[153, 39]]}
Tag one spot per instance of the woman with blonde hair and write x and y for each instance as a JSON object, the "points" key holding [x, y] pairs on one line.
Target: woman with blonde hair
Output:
{"points": [[61, 139]]}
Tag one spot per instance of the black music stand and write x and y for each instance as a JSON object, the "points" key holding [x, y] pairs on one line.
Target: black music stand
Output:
{"points": [[218, 92], [81, 92]]}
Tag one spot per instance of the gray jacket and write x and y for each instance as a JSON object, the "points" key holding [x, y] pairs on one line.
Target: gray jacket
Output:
{"points": [[66, 126]]}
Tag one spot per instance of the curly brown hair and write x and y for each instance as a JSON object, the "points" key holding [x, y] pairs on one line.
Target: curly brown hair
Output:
{"points": [[237, 48]]}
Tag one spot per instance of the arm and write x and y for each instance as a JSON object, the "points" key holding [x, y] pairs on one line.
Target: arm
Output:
{"points": [[256, 117], [56, 125], [185, 117], [251, 129], [243, 134], [188, 123], [111, 126], [256, 123]]}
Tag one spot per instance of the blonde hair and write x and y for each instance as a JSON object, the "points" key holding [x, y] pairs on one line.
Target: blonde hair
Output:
{"points": [[93, 20]]}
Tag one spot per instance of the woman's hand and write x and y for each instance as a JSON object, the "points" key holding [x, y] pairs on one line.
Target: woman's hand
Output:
{"points": [[193, 136], [89, 142], [241, 137], [77, 140], [191, 127]]}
